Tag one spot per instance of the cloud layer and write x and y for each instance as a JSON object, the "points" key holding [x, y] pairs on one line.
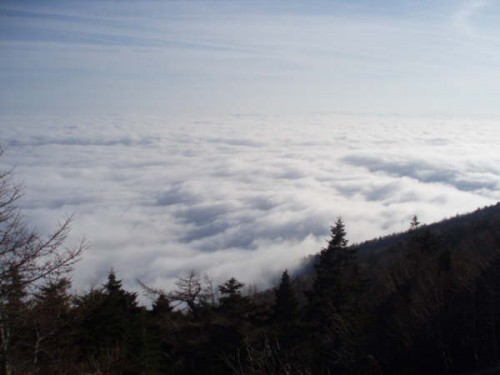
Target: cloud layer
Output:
{"points": [[241, 195]]}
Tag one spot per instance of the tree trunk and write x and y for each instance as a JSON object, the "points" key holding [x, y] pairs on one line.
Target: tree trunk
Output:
{"points": [[4, 337]]}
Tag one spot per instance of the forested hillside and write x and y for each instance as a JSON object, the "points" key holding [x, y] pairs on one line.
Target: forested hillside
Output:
{"points": [[423, 302]]}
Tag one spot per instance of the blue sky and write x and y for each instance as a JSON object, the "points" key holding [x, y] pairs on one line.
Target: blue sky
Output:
{"points": [[139, 57]]}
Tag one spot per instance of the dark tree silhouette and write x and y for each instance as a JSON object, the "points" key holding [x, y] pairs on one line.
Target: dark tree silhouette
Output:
{"points": [[230, 293], [338, 278], [27, 257], [286, 306]]}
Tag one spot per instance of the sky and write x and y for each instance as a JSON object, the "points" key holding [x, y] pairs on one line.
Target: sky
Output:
{"points": [[227, 136], [139, 57]]}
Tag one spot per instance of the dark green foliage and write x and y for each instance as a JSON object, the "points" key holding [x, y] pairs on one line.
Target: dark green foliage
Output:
{"points": [[230, 294], [338, 280], [111, 329], [428, 318], [286, 306], [334, 307], [54, 329], [161, 307]]}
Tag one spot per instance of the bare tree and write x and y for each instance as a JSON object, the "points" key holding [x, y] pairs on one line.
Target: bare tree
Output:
{"points": [[26, 258], [189, 292]]}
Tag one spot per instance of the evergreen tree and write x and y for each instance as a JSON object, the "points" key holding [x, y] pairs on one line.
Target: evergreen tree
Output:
{"points": [[338, 279], [113, 285], [160, 337], [230, 293], [55, 331], [414, 223], [112, 328], [118, 298], [285, 307], [334, 306], [161, 306]]}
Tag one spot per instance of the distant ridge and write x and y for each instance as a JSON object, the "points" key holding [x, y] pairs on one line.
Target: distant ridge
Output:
{"points": [[451, 232]]}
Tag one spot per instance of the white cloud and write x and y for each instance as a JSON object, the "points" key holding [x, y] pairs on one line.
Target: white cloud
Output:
{"points": [[243, 196]]}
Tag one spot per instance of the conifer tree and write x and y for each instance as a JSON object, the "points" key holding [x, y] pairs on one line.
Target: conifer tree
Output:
{"points": [[160, 337], [285, 307], [230, 293], [111, 327], [338, 278], [334, 305], [117, 295], [161, 306], [54, 349], [414, 223]]}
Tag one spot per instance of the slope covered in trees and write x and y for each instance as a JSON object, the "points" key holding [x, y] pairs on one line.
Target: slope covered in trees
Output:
{"points": [[426, 301]]}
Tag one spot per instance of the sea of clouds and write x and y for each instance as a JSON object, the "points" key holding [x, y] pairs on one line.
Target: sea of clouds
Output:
{"points": [[241, 195]]}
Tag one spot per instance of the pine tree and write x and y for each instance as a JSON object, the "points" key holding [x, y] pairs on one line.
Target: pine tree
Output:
{"points": [[334, 305], [414, 223], [285, 307], [55, 328], [161, 306], [117, 296], [337, 274], [112, 327], [113, 286], [230, 292], [160, 336], [231, 300]]}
